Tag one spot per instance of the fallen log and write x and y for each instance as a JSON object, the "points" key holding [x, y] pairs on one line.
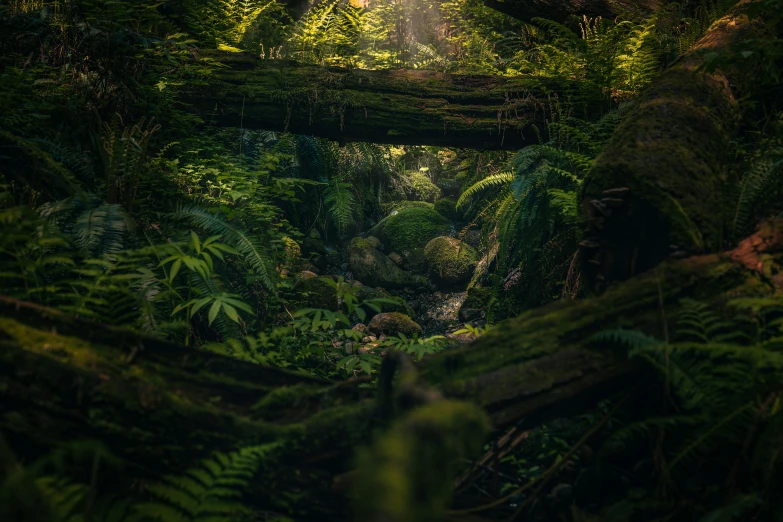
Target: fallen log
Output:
{"points": [[160, 406], [561, 10], [657, 188], [398, 107]]}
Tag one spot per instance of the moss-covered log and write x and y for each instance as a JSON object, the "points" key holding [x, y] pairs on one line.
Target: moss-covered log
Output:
{"points": [[561, 10], [657, 187], [402, 106], [159, 405]]}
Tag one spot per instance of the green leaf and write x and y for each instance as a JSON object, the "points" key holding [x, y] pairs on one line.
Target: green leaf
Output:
{"points": [[213, 311]]}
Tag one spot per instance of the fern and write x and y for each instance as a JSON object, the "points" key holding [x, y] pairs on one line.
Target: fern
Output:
{"points": [[211, 492], [255, 254], [341, 204]]}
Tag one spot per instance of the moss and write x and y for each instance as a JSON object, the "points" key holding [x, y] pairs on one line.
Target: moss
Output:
{"points": [[401, 205], [407, 475], [393, 323], [315, 293], [451, 261], [422, 187], [410, 228], [447, 208], [475, 304], [670, 153], [372, 267]]}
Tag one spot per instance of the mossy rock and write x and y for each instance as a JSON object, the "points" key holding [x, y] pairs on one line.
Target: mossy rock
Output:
{"points": [[373, 241], [372, 267], [402, 205], [448, 208], [476, 304], [410, 228], [451, 260], [313, 292], [394, 323], [422, 187]]}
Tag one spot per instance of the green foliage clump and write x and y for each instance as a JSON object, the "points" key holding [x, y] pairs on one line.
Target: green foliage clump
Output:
{"points": [[447, 208], [451, 260], [411, 228]]}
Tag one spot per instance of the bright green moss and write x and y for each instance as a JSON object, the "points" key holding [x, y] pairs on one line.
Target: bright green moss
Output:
{"points": [[411, 228], [423, 188], [407, 475], [451, 261], [447, 208]]}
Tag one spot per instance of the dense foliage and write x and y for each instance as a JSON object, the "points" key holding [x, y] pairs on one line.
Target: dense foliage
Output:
{"points": [[119, 205]]}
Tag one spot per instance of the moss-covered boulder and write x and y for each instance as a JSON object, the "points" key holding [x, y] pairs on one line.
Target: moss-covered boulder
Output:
{"points": [[410, 228], [314, 292], [451, 260], [393, 323], [373, 241], [475, 304], [422, 188], [402, 205], [447, 208], [372, 267], [399, 305]]}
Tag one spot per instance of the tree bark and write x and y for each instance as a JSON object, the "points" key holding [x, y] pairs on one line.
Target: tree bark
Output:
{"points": [[561, 10], [398, 107], [658, 186]]}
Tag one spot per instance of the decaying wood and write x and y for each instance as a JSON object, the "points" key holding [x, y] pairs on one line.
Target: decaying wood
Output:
{"points": [[399, 107], [657, 189], [65, 379]]}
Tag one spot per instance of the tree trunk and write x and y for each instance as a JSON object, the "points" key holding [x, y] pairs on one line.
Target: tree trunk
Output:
{"points": [[658, 186], [561, 10], [398, 107], [160, 406]]}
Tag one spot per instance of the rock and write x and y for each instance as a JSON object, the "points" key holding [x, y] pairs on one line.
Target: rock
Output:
{"points": [[314, 234], [410, 228], [414, 260], [312, 292], [448, 208], [349, 348], [475, 304], [422, 186], [393, 323], [359, 327], [451, 261], [462, 338], [371, 266], [373, 242], [396, 259]]}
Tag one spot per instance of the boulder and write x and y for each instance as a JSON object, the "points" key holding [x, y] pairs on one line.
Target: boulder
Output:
{"points": [[394, 323], [475, 304], [374, 268], [451, 261], [396, 258], [422, 187], [373, 242], [410, 228], [448, 208], [313, 292]]}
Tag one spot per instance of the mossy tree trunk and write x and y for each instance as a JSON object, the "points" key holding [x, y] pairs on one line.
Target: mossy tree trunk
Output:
{"points": [[160, 406], [400, 107], [658, 187]]}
